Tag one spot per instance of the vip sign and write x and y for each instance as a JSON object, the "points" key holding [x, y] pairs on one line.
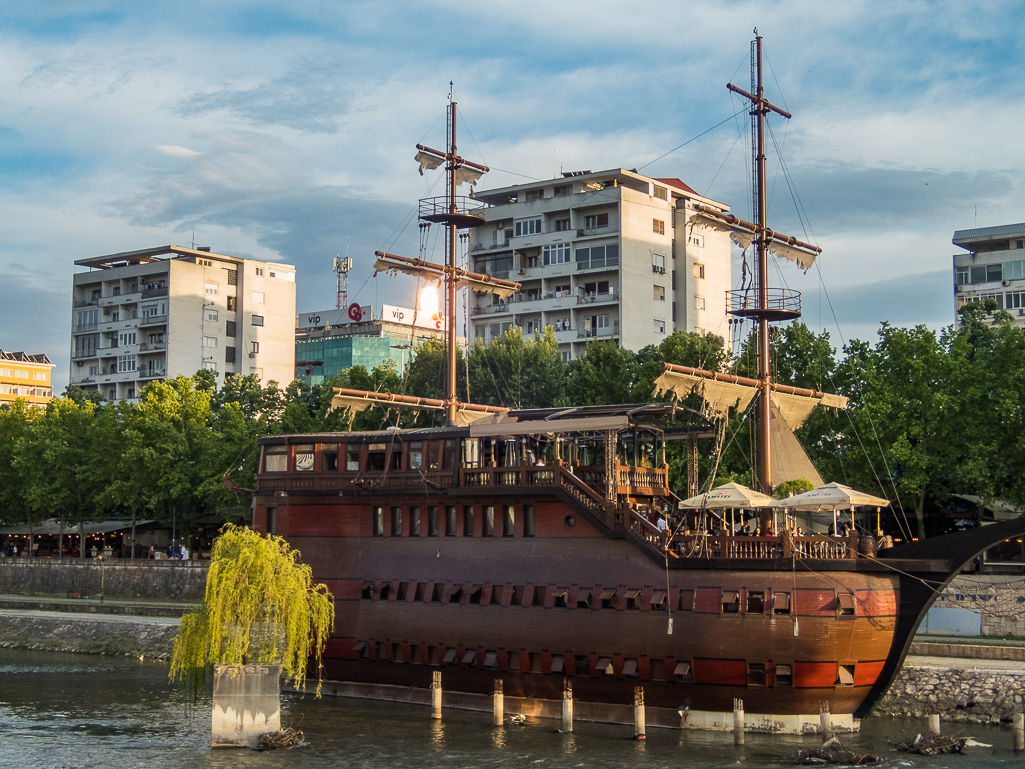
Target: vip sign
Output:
{"points": [[405, 316]]}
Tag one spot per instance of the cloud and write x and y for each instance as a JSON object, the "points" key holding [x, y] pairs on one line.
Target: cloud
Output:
{"points": [[904, 300], [175, 151], [307, 98]]}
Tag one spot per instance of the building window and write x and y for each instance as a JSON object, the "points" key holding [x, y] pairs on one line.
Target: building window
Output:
{"points": [[658, 226], [595, 221], [229, 329], [1014, 300], [658, 263], [660, 326], [659, 293], [127, 338], [255, 348], [660, 192], [209, 341], [561, 225], [566, 356], [210, 365], [210, 315], [125, 363], [699, 303], [232, 303], [696, 240], [259, 272], [564, 190], [535, 195], [557, 254], [699, 271], [257, 320], [468, 523], [257, 297], [529, 521], [229, 354], [528, 227], [674, 312], [211, 288]]}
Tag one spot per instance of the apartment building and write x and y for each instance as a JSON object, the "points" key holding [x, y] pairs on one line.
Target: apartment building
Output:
{"points": [[25, 377], [157, 313], [993, 268], [329, 341], [606, 255]]}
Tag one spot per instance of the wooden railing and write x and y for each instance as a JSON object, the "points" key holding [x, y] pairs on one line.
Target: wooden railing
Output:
{"points": [[786, 546], [630, 477]]}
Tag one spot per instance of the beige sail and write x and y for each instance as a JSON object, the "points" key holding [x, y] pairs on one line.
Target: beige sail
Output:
{"points": [[789, 459], [719, 397]]}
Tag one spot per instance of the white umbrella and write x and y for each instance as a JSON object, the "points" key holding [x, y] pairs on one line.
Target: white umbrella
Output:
{"points": [[729, 495], [832, 496]]}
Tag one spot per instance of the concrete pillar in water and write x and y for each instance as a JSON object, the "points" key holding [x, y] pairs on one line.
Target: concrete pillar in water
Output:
{"points": [[567, 706], [738, 722], [934, 724], [499, 696], [247, 703], [639, 727], [825, 721], [1019, 732], [436, 695]]}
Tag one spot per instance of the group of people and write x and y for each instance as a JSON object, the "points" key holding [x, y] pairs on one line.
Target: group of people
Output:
{"points": [[174, 552]]}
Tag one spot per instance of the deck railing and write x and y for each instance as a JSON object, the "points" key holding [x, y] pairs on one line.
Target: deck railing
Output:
{"points": [[787, 546]]}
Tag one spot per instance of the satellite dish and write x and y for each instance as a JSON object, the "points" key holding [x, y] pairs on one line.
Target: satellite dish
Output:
{"points": [[355, 312]]}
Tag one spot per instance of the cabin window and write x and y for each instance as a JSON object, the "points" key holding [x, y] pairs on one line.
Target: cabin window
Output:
{"points": [[468, 520], [488, 522], [378, 516], [450, 521], [396, 521], [558, 663], [416, 455], [329, 458], [450, 656], [514, 661], [491, 660], [845, 606], [535, 663], [658, 670], [438, 594], [476, 593], [784, 675], [539, 595], [659, 600], [352, 459], [451, 452], [781, 603], [382, 650], [396, 653], [375, 457], [686, 600], [304, 457], [529, 521], [633, 599], [844, 675], [456, 595], [756, 674], [414, 521], [396, 459], [608, 598], [403, 593], [362, 650], [755, 602], [508, 521], [730, 602], [581, 664], [275, 459], [434, 455], [433, 655], [470, 657], [415, 656], [561, 597], [432, 521], [683, 671], [517, 596], [367, 590], [584, 598], [496, 594], [385, 591], [421, 590], [604, 666], [471, 452], [272, 520]]}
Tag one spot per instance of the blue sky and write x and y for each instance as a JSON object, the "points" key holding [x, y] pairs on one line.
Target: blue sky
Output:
{"points": [[286, 131]]}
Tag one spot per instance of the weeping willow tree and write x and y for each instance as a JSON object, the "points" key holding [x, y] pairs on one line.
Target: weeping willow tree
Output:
{"points": [[261, 606]]}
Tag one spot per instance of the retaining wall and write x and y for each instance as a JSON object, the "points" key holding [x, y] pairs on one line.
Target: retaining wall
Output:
{"points": [[157, 580], [149, 637]]}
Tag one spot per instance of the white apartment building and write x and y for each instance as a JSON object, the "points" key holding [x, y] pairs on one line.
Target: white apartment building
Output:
{"points": [[162, 312], [993, 268], [606, 255]]}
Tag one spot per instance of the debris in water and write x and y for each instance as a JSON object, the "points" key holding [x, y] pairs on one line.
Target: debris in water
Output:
{"points": [[286, 738], [933, 744], [833, 751]]}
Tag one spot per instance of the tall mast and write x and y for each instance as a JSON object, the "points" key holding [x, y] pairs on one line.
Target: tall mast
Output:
{"points": [[767, 308], [450, 283]]}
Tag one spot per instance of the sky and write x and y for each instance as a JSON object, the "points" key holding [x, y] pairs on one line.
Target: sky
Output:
{"points": [[286, 132]]}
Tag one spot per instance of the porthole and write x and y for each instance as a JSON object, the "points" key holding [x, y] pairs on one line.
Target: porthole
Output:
{"points": [[570, 521]]}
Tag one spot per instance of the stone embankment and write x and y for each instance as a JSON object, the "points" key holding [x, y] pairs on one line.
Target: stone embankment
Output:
{"points": [[157, 580], [148, 637], [981, 691]]}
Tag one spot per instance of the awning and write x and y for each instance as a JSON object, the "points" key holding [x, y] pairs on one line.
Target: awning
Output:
{"points": [[682, 669], [630, 668], [605, 664], [608, 593], [450, 656], [631, 594], [560, 592], [558, 663], [781, 601], [583, 594], [658, 597], [491, 660], [52, 527], [730, 596], [470, 657], [845, 675], [549, 427], [845, 601], [360, 646]]}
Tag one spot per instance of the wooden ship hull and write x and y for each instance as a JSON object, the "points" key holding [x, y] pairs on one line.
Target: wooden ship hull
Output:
{"points": [[529, 576]]}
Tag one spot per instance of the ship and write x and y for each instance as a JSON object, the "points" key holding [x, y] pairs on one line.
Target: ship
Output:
{"points": [[541, 552]]}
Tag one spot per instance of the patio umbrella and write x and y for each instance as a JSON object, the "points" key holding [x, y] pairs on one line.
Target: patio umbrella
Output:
{"points": [[831, 497], [728, 495]]}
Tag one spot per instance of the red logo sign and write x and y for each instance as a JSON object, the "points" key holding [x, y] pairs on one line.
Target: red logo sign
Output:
{"points": [[355, 312]]}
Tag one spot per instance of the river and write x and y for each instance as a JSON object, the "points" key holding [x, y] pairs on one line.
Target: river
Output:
{"points": [[68, 710]]}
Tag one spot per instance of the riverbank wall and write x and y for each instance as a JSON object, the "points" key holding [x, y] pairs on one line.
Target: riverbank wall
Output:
{"points": [[121, 636], [118, 578]]}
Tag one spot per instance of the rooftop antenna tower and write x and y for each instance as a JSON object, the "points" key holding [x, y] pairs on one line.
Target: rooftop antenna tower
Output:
{"points": [[341, 268]]}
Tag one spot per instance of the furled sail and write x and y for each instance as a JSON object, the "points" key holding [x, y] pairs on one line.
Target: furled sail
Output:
{"points": [[465, 174], [431, 272], [428, 161], [361, 400], [744, 234], [718, 396]]}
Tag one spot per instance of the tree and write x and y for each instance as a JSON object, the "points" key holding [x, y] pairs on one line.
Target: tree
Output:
{"points": [[261, 605], [15, 421]]}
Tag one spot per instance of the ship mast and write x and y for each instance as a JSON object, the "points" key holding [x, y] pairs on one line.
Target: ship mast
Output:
{"points": [[769, 305]]}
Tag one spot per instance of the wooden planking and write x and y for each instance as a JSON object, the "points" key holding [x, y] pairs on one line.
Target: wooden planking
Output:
{"points": [[315, 521], [721, 672]]}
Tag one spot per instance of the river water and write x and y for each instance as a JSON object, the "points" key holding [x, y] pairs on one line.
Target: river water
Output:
{"points": [[66, 710]]}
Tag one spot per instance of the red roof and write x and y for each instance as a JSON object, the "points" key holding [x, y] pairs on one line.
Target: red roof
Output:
{"points": [[678, 184]]}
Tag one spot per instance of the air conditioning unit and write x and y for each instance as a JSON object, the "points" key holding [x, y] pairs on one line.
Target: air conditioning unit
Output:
{"points": [[1005, 283], [252, 355]]}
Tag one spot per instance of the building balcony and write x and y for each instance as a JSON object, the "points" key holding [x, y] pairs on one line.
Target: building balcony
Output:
{"points": [[595, 232], [152, 293], [109, 352], [83, 379], [154, 373], [153, 320], [85, 303], [85, 328], [494, 309], [151, 347], [84, 354], [482, 247], [600, 333], [609, 263], [607, 298]]}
